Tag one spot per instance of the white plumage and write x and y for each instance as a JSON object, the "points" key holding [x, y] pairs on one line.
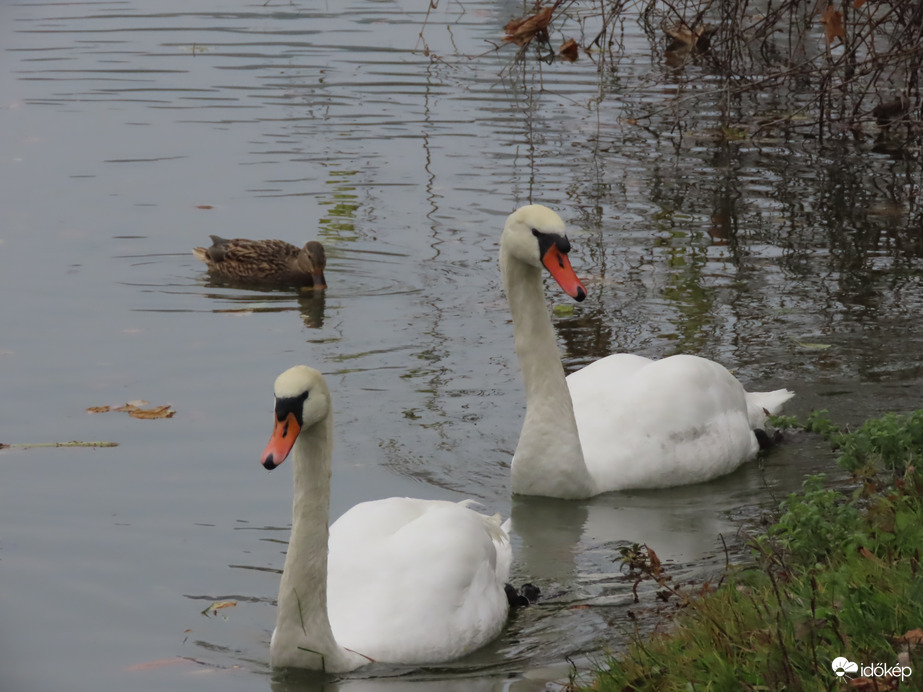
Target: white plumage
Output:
{"points": [[400, 580], [623, 421]]}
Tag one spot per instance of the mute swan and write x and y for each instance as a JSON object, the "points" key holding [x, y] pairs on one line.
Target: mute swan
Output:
{"points": [[405, 581], [265, 262], [623, 421]]}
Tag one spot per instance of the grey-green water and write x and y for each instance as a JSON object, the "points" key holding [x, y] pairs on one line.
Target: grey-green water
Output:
{"points": [[131, 131]]}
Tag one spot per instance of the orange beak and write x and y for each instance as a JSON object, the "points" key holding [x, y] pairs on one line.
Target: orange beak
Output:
{"points": [[558, 264], [284, 434]]}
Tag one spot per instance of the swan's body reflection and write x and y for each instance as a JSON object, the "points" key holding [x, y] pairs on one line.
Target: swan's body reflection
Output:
{"points": [[575, 544]]}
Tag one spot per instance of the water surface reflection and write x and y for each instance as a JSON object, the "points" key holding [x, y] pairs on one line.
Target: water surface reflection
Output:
{"points": [[131, 133]]}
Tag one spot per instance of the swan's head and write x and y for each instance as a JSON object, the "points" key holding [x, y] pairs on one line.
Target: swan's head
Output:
{"points": [[535, 235], [302, 400], [313, 259]]}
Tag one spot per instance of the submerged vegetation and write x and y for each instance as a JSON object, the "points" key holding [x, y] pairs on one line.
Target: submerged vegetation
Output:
{"points": [[833, 595]]}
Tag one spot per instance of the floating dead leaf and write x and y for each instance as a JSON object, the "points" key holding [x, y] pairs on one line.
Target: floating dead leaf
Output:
{"points": [[858, 3], [151, 413], [135, 410], [569, 50], [214, 607], [833, 25], [204, 206], [522, 31]]}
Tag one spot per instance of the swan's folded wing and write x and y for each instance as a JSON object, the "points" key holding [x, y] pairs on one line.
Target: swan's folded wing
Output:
{"points": [[415, 580], [674, 421]]}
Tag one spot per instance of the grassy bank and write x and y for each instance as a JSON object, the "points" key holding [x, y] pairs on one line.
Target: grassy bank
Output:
{"points": [[837, 576]]}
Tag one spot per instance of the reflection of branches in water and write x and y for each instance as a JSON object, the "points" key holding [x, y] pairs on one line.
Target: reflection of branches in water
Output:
{"points": [[853, 64]]}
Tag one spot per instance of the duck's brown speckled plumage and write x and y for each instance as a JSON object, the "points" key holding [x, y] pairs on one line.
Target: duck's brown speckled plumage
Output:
{"points": [[265, 262]]}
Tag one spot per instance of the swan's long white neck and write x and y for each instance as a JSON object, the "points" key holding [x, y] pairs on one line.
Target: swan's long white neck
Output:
{"points": [[548, 459], [302, 625]]}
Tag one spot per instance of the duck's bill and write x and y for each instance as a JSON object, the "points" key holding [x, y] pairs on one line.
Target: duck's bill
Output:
{"points": [[284, 434], [558, 264], [319, 280]]}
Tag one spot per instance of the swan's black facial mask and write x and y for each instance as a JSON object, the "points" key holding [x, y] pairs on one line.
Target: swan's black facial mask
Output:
{"points": [[288, 426]]}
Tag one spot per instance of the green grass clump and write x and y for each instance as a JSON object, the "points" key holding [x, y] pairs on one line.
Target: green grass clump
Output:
{"points": [[837, 574]]}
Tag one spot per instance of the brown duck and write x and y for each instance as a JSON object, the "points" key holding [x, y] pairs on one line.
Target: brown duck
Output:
{"points": [[265, 262]]}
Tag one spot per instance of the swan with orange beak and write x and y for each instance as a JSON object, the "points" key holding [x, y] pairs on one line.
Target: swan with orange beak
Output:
{"points": [[623, 421]]}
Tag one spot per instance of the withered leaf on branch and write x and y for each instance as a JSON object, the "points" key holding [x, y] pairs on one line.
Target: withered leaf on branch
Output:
{"points": [[684, 37], [833, 25], [912, 639], [522, 31], [569, 50]]}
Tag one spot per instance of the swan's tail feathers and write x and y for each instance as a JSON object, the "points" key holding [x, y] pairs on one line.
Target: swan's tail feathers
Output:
{"points": [[761, 405], [498, 529], [495, 528]]}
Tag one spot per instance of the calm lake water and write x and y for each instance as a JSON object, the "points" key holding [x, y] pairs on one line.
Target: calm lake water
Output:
{"points": [[131, 131]]}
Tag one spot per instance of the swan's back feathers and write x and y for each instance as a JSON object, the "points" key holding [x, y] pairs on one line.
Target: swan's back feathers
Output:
{"points": [[415, 581], [677, 421]]}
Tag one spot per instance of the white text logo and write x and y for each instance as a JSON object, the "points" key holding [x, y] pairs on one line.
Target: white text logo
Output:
{"points": [[842, 665]]}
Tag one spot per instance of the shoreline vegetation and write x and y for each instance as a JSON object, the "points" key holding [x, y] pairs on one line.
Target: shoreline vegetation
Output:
{"points": [[831, 597]]}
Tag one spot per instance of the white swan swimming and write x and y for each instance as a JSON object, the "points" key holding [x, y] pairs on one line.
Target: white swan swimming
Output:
{"points": [[623, 421], [405, 580]]}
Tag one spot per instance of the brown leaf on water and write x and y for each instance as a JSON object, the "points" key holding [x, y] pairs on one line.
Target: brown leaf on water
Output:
{"points": [[214, 607], [858, 3], [204, 206], [522, 31], [569, 50], [133, 409], [833, 25], [151, 413]]}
